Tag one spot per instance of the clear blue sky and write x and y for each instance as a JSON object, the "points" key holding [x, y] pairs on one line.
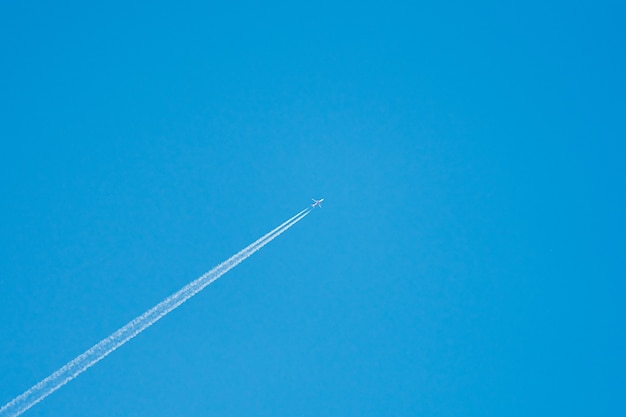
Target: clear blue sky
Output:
{"points": [[470, 256]]}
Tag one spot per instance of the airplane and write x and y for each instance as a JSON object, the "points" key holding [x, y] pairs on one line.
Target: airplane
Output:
{"points": [[317, 203]]}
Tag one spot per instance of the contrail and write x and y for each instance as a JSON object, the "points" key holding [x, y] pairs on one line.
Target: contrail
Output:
{"points": [[93, 355]]}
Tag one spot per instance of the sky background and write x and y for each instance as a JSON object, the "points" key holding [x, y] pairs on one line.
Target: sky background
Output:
{"points": [[469, 258]]}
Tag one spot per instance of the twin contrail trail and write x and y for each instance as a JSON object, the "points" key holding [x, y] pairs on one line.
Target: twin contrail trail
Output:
{"points": [[93, 355]]}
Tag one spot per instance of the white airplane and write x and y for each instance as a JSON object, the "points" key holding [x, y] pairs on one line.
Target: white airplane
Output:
{"points": [[317, 203]]}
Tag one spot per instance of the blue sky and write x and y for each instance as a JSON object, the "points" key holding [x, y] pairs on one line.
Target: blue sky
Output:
{"points": [[469, 258]]}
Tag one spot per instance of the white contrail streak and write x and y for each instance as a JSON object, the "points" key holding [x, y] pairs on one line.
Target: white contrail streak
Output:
{"points": [[93, 355]]}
